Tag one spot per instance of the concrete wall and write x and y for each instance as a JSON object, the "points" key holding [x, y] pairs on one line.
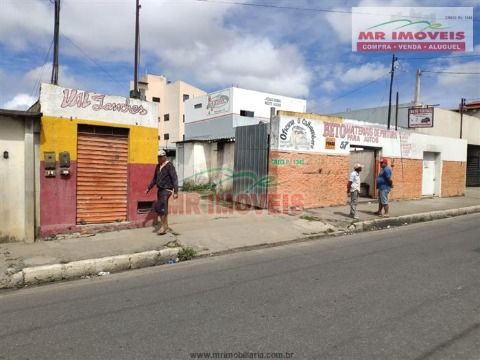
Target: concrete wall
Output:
{"points": [[18, 175], [12, 180], [209, 163]]}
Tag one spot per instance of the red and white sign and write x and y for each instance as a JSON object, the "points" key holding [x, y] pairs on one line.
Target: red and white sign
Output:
{"points": [[394, 29], [420, 117]]}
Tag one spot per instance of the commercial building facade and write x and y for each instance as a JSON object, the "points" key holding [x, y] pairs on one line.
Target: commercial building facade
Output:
{"points": [[311, 155], [97, 155], [446, 123]]}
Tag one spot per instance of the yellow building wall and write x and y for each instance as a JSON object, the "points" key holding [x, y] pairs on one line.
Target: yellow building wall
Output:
{"points": [[59, 134]]}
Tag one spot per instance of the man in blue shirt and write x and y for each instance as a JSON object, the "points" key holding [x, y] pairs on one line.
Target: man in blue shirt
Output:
{"points": [[384, 185]]}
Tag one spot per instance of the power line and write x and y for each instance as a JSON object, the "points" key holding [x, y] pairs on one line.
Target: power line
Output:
{"points": [[91, 59], [284, 7], [361, 87], [42, 70], [438, 57], [451, 72]]}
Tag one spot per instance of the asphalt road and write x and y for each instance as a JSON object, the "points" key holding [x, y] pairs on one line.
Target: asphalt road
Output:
{"points": [[407, 293]]}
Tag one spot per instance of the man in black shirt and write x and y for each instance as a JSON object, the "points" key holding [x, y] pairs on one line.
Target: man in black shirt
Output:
{"points": [[165, 177]]}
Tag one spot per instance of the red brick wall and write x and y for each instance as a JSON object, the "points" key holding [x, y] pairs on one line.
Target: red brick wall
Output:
{"points": [[407, 178], [453, 178], [307, 180]]}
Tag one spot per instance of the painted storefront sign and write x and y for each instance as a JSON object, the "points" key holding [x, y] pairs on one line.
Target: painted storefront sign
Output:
{"points": [[298, 134], [218, 104], [273, 102], [57, 101], [420, 117], [380, 29]]}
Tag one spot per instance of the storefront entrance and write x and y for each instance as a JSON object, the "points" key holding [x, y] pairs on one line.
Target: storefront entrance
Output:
{"points": [[365, 156], [102, 174]]}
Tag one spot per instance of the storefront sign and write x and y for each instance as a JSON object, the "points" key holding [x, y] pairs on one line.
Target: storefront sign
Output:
{"points": [[298, 134], [57, 101], [420, 117], [273, 102], [356, 133], [218, 104], [393, 29]]}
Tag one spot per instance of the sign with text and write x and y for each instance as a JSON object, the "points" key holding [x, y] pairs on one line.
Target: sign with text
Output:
{"points": [[393, 29], [420, 117]]}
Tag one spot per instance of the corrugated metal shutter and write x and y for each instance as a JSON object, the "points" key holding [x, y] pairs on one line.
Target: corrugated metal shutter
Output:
{"points": [[102, 175]]}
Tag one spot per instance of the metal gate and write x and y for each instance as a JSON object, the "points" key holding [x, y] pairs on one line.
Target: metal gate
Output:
{"points": [[102, 174], [473, 165], [250, 181]]}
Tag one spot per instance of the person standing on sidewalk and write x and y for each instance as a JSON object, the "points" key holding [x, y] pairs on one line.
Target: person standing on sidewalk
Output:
{"points": [[353, 188], [384, 186], [165, 177]]}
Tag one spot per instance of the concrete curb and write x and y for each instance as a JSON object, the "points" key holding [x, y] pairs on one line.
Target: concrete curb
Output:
{"points": [[383, 223], [76, 269]]}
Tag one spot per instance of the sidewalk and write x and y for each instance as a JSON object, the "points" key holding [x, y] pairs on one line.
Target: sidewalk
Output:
{"points": [[208, 232]]}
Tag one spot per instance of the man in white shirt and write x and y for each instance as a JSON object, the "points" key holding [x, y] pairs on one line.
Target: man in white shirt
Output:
{"points": [[353, 188]]}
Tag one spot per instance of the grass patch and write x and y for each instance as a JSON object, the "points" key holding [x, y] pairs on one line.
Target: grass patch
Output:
{"points": [[309, 218], [192, 187], [186, 253]]}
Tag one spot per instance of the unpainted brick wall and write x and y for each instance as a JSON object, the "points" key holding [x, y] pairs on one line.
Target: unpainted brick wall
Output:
{"points": [[320, 181], [453, 178], [407, 178]]}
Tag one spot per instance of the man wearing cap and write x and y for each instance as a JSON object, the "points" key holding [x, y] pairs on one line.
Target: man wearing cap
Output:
{"points": [[353, 188], [384, 185], [165, 177]]}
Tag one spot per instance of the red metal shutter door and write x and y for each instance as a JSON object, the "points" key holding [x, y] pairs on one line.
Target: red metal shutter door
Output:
{"points": [[102, 176]]}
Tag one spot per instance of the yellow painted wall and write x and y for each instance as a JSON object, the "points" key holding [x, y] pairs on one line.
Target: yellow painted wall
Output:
{"points": [[59, 135]]}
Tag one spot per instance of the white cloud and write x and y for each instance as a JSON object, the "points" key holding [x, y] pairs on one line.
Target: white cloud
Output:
{"points": [[188, 40], [365, 72], [342, 25], [328, 85], [20, 102]]}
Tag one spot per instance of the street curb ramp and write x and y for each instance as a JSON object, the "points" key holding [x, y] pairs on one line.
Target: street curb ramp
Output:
{"points": [[37, 275]]}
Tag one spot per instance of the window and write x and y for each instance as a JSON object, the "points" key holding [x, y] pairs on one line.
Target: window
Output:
{"points": [[183, 117], [159, 118], [197, 106], [166, 117], [186, 97], [159, 137], [156, 99], [166, 136], [246, 113]]}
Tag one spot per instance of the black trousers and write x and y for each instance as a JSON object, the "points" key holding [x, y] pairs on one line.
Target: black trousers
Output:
{"points": [[161, 206]]}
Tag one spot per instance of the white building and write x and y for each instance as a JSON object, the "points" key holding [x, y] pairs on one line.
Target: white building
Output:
{"points": [[216, 115], [207, 153], [171, 97]]}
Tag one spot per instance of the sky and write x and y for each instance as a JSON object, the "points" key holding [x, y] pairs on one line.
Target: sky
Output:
{"points": [[214, 44]]}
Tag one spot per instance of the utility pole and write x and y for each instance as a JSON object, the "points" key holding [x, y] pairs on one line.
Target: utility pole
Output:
{"points": [[462, 106], [136, 94], [396, 113], [392, 71], [56, 32], [416, 100]]}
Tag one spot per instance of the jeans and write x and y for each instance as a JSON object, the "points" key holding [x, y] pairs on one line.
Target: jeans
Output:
{"points": [[353, 203]]}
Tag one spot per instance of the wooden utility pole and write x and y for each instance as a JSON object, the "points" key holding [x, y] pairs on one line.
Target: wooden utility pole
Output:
{"points": [[136, 93], [392, 71], [56, 32]]}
